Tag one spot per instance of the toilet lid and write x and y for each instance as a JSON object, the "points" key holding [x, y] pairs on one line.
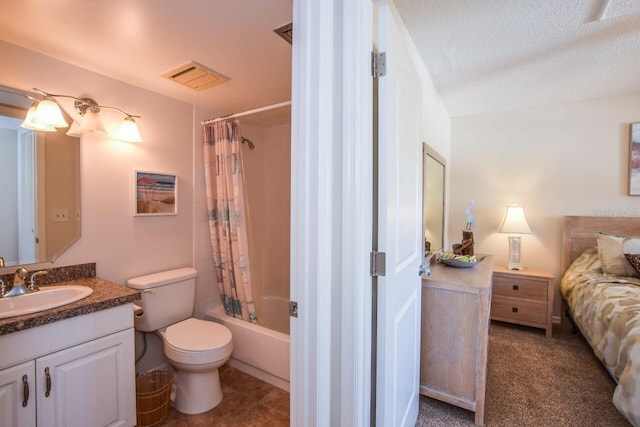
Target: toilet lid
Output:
{"points": [[197, 335]]}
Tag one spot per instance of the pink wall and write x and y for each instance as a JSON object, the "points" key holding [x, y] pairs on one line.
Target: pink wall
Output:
{"points": [[122, 245]]}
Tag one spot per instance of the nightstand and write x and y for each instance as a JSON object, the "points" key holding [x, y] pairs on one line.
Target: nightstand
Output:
{"points": [[524, 297]]}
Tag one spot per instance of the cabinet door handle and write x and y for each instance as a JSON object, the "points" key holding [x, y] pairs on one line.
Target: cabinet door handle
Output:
{"points": [[514, 309], [515, 287], [47, 376], [25, 391]]}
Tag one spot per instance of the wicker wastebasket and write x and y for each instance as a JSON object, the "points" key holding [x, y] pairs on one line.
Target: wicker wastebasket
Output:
{"points": [[153, 395]]}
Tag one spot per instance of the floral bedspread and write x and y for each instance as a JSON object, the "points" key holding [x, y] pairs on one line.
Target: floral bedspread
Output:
{"points": [[607, 310]]}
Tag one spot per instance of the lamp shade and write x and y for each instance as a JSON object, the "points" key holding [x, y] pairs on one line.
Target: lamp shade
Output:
{"points": [[514, 221], [49, 113], [128, 131], [31, 121], [91, 123], [74, 130]]}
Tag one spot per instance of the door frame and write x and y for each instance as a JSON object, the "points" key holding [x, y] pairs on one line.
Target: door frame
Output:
{"points": [[331, 212]]}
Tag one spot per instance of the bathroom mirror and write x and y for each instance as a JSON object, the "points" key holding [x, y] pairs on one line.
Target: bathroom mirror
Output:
{"points": [[433, 199], [39, 184]]}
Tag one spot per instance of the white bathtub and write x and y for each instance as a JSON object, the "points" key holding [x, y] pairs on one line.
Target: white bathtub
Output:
{"points": [[258, 351]]}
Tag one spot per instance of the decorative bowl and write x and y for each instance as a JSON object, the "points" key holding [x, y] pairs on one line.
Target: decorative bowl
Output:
{"points": [[452, 262]]}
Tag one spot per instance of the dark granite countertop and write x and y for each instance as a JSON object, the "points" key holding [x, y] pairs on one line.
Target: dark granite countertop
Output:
{"points": [[105, 295]]}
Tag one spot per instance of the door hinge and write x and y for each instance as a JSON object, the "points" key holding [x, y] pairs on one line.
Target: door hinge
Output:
{"points": [[293, 308], [378, 263], [378, 64]]}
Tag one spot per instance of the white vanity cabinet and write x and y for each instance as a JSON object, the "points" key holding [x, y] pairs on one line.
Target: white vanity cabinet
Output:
{"points": [[81, 373], [17, 398], [86, 385]]}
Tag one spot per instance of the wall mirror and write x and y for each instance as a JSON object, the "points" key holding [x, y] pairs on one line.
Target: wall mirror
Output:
{"points": [[40, 186], [433, 166]]}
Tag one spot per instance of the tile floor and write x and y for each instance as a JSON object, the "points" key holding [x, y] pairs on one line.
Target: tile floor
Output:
{"points": [[247, 401]]}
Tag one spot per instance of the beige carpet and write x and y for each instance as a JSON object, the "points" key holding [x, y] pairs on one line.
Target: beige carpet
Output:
{"points": [[536, 381]]}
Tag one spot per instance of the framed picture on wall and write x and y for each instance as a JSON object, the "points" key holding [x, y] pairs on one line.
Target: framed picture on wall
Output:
{"points": [[155, 194], [634, 160]]}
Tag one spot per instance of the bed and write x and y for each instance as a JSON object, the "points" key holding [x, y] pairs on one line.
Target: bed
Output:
{"points": [[605, 307]]}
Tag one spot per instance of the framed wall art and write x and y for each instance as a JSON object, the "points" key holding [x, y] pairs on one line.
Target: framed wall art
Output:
{"points": [[155, 194], [634, 160]]}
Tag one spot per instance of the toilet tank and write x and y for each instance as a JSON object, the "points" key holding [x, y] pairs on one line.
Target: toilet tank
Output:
{"points": [[167, 298]]}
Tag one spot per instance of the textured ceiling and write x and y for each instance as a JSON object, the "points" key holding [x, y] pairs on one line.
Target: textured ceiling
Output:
{"points": [[484, 55], [493, 55]]}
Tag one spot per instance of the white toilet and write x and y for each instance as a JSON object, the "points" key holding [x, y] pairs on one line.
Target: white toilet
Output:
{"points": [[195, 348]]}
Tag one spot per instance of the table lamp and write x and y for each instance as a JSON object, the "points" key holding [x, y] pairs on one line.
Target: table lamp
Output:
{"points": [[515, 223]]}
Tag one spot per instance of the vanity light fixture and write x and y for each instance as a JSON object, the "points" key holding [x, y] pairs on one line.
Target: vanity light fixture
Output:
{"points": [[515, 223], [46, 115]]}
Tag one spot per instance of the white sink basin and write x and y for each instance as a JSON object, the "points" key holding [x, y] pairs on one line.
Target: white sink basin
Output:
{"points": [[47, 297]]}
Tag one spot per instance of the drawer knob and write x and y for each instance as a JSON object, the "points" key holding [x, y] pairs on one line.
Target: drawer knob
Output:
{"points": [[514, 309], [515, 287]]}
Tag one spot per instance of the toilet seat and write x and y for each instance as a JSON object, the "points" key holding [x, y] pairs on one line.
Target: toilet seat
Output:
{"points": [[195, 341]]}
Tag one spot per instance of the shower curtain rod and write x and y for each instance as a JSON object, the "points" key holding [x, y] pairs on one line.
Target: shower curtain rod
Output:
{"points": [[248, 112]]}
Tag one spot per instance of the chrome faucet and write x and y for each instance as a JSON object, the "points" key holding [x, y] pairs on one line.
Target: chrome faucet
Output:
{"points": [[19, 286]]}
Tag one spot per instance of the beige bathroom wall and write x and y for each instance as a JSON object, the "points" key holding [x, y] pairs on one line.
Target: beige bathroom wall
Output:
{"points": [[267, 170]]}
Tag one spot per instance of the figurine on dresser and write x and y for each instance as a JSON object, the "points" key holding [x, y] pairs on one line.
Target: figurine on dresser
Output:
{"points": [[466, 246]]}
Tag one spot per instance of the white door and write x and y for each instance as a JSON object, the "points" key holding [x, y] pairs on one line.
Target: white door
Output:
{"points": [[90, 385], [17, 396], [26, 197], [399, 226]]}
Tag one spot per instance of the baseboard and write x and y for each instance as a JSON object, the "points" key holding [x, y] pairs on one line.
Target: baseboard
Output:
{"points": [[260, 374]]}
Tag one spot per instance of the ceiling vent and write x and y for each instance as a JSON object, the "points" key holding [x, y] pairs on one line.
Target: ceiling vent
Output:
{"points": [[195, 76], [286, 32]]}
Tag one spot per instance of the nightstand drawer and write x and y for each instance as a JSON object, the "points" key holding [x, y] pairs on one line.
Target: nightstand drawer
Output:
{"points": [[518, 287], [518, 311]]}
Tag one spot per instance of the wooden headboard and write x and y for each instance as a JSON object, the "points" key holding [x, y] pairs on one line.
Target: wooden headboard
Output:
{"points": [[579, 232]]}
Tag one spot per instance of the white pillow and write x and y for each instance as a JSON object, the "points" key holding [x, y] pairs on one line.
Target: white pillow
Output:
{"points": [[631, 245], [611, 250]]}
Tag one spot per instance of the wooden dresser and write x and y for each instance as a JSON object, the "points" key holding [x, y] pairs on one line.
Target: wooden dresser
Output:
{"points": [[524, 297], [455, 335]]}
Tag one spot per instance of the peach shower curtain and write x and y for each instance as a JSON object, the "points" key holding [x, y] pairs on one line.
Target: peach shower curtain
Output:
{"points": [[227, 217]]}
